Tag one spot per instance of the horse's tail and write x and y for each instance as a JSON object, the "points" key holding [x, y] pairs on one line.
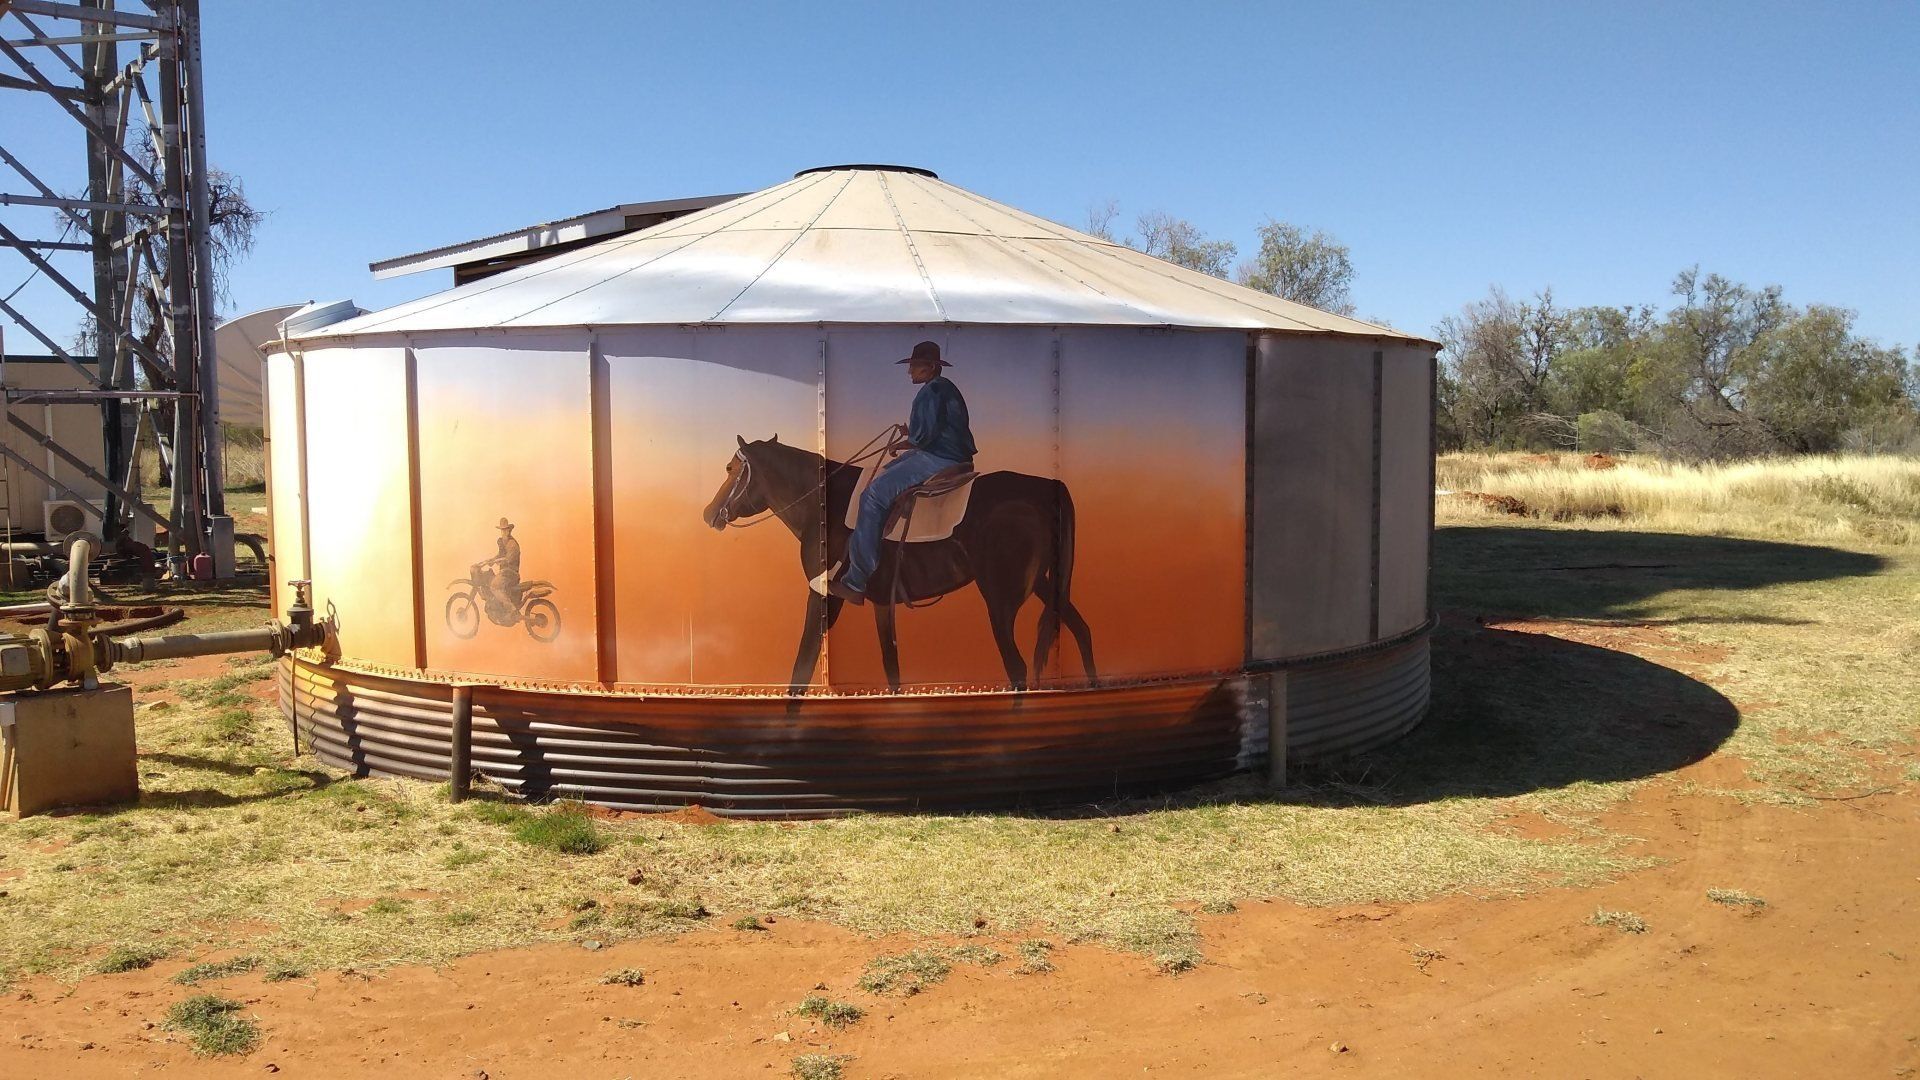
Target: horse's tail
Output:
{"points": [[1060, 610], [1063, 555]]}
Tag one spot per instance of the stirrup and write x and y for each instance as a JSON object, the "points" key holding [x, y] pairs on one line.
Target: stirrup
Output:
{"points": [[819, 584]]}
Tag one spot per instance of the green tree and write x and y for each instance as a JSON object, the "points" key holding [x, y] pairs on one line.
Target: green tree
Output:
{"points": [[1308, 268], [1163, 236]]}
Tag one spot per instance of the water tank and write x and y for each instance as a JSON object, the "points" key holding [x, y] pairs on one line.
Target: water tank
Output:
{"points": [[596, 489]]}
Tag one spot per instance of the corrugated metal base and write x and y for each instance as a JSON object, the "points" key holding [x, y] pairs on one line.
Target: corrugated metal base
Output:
{"points": [[1343, 707], [761, 757]]}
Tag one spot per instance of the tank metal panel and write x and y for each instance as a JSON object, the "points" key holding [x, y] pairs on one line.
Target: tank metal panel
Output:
{"points": [[1406, 491], [506, 437], [1310, 552], [693, 606], [286, 487], [359, 499]]}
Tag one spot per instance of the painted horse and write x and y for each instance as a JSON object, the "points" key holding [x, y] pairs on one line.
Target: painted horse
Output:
{"points": [[1015, 542]]}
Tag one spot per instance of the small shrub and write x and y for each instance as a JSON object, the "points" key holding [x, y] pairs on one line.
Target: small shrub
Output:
{"points": [[748, 922], [387, 905], [216, 970], [837, 1014], [1624, 921], [624, 977], [819, 1066], [1036, 957], [124, 958], [565, 829], [214, 1025], [1735, 898], [284, 973], [905, 974], [1219, 907]]}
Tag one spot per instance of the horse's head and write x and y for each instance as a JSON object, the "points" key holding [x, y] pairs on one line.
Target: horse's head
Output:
{"points": [[739, 496]]}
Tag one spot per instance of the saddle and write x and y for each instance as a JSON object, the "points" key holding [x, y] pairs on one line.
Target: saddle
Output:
{"points": [[924, 512]]}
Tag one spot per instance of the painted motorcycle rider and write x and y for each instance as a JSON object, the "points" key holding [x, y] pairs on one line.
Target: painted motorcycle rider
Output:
{"points": [[500, 576]]}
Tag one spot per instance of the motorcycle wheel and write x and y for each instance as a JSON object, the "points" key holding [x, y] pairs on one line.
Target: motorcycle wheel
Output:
{"points": [[542, 618], [463, 615]]}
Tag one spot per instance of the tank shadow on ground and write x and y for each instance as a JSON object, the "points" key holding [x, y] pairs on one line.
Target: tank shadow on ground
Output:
{"points": [[1517, 712]]}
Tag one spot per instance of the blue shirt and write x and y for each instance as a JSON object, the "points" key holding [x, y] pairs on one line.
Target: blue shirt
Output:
{"points": [[938, 424]]}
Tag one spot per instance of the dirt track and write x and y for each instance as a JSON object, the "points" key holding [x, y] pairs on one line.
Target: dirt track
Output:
{"points": [[1823, 981]]}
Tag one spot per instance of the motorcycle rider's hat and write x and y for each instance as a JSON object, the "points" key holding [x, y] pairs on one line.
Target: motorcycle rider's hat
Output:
{"points": [[505, 525]]}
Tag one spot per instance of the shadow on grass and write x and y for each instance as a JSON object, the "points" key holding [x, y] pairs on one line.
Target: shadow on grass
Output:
{"points": [[1517, 712], [1572, 574]]}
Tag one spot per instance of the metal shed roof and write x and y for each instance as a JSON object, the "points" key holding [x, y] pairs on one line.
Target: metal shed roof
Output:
{"points": [[611, 221], [854, 244]]}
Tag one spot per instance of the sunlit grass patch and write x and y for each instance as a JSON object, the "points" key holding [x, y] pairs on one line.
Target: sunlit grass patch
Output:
{"points": [[905, 974], [213, 1025]]}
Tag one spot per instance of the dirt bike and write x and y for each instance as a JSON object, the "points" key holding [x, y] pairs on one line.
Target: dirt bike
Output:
{"points": [[539, 614]]}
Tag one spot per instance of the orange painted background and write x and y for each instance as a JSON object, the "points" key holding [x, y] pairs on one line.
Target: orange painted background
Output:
{"points": [[508, 433], [1145, 428]]}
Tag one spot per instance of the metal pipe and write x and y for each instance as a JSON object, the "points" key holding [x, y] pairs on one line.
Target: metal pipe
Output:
{"points": [[460, 763], [82, 554], [176, 646]]}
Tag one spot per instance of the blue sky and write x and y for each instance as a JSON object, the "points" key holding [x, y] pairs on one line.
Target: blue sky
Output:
{"points": [[1593, 148]]}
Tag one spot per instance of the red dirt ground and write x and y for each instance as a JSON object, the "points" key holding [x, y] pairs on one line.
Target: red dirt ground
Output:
{"points": [[1823, 981]]}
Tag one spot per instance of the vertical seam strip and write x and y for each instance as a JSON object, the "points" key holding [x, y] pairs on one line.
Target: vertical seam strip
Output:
{"points": [[932, 294]]}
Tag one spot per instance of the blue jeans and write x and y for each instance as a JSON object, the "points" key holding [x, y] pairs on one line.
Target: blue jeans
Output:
{"points": [[863, 548]]}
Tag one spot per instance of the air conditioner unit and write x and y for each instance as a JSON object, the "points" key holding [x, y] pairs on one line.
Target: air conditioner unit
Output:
{"points": [[66, 517]]}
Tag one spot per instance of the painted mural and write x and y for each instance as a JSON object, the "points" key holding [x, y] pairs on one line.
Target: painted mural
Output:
{"points": [[999, 507]]}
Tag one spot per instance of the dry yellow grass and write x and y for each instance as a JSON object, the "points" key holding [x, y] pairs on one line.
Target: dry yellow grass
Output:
{"points": [[1875, 499]]}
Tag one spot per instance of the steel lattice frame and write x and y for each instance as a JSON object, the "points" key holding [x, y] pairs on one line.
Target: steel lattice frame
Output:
{"points": [[107, 99]]}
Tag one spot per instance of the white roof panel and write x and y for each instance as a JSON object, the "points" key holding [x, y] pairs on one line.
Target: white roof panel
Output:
{"points": [[854, 244]]}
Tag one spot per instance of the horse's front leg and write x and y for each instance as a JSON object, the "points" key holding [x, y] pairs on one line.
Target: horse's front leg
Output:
{"points": [[821, 613], [889, 645]]}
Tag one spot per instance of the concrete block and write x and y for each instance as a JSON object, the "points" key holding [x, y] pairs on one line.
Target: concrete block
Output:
{"points": [[66, 748]]}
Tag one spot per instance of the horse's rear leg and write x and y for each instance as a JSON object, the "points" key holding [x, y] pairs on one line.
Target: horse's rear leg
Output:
{"points": [[1070, 615], [1001, 615], [1049, 626]]}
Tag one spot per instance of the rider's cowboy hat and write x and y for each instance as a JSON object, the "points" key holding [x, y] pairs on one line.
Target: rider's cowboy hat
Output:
{"points": [[505, 525], [926, 350]]}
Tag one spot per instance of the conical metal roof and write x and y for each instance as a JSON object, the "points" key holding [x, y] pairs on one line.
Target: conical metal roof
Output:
{"points": [[854, 244]]}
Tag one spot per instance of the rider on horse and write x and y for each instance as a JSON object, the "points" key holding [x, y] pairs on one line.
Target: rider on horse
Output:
{"points": [[938, 438]]}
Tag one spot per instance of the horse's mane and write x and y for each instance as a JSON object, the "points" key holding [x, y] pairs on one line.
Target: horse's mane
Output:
{"points": [[794, 457]]}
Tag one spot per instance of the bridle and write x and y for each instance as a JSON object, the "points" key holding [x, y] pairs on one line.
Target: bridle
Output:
{"points": [[743, 479]]}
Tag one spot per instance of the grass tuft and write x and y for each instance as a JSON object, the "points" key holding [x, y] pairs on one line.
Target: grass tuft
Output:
{"points": [[819, 1066], [748, 922], [565, 828], [214, 1026], [977, 954], [284, 972], [1036, 957], [127, 958], [1624, 921], [837, 1014], [624, 977], [904, 974], [219, 969], [1735, 898]]}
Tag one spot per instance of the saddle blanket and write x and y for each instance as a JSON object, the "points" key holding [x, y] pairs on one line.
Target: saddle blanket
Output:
{"points": [[934, 517]]}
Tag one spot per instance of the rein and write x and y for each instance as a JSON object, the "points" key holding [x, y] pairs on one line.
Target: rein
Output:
{"points": [[745, 479]]}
